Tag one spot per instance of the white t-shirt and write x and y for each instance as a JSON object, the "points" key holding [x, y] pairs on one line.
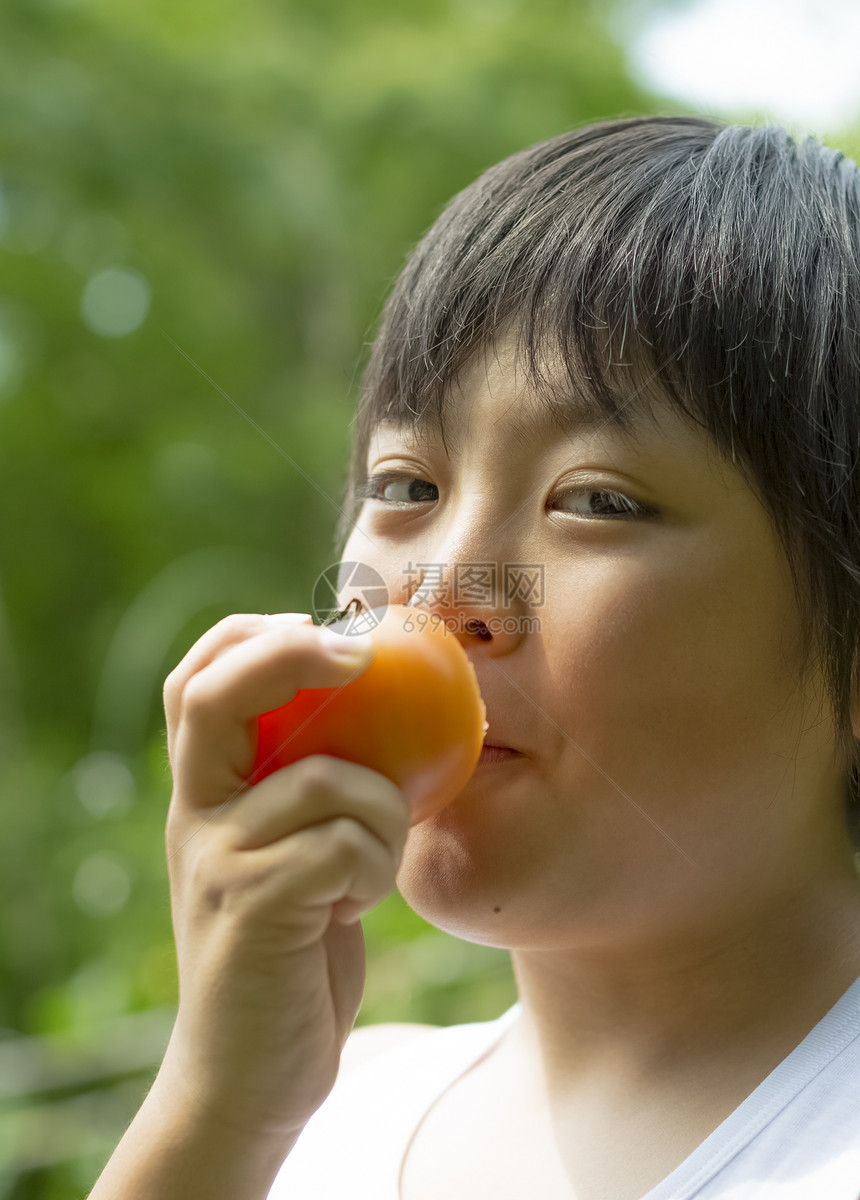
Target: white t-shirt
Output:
{"points": [[796, 1137]]}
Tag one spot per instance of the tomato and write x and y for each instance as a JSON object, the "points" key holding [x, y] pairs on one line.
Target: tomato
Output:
{"points": [[415, 714]]}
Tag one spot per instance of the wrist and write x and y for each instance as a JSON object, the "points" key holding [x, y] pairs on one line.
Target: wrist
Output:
{"points": [[177, 1148], [182, 1099]]}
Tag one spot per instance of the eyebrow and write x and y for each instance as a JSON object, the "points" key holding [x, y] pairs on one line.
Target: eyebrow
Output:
{"points": [[568, 416]]}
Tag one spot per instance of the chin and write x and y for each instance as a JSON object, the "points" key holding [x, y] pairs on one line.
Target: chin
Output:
{"points": [[449, 886]]}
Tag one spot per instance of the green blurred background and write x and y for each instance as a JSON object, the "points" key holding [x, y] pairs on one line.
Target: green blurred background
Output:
{"points": [[202, 207]]}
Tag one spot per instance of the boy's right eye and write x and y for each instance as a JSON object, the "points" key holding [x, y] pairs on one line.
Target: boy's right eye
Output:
{"points": [[407, 489]]}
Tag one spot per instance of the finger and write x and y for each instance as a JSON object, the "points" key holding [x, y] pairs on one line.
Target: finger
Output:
{"points": [[337, 861], [237, 627], [213, 747], [314, 790]]}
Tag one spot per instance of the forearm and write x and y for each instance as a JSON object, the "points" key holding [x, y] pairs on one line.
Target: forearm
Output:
{"points": [[171, 1152]]}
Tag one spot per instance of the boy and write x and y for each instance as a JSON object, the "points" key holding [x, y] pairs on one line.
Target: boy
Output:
{"points": [[630, 354]]}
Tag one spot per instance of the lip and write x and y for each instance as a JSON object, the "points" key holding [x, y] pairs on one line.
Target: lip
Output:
{"points": [[496, 737], [497, 754]]}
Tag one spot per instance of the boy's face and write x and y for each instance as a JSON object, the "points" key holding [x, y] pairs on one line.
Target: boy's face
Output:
{"points": [[675, 770]]}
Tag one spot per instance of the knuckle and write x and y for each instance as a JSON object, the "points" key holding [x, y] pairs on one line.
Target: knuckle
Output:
{"points": [[172, 689], [197, 699], [319, 774], [305, 856], [215, 874], [172, 827], [212, 892], [347, 840], [240, 624]]}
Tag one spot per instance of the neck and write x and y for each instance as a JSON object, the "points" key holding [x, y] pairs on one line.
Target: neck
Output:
{"points": [[738, 987]]}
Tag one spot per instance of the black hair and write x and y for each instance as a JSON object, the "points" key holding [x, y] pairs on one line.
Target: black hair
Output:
{"points": [[724, 261]]}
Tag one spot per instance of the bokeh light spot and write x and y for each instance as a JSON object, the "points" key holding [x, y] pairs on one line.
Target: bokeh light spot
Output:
{"points": [[115, 302], [101, 885], [104, 783]]}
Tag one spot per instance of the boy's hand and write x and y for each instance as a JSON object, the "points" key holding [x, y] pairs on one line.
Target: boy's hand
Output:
{"points": [[263, 878]]}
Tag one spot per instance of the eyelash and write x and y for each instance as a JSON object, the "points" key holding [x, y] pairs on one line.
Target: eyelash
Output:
{"points": [[631, 509]]}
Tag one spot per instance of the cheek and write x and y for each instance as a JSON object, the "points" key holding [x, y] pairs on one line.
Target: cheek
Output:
{"points": [[373, 570], [676, 669]]}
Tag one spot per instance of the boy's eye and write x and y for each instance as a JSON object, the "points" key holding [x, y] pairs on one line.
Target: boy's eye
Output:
{"points": [[393, 487], [605, 503]]}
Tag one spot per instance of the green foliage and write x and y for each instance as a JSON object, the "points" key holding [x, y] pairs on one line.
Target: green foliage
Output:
{"points": [[252, 178]]}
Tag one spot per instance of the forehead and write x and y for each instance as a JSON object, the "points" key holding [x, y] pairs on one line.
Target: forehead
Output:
{"points": [[523, 426], [498, 406]]}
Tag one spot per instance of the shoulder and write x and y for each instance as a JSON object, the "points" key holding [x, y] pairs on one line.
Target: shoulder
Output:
{"points": [[368, 1041]]}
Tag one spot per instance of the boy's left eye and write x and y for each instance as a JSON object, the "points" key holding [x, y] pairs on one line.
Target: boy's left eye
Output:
{"points": [[610, 504]]}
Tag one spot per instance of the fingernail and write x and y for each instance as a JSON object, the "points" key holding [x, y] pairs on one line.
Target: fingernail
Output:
{"points": [[351, 647]]}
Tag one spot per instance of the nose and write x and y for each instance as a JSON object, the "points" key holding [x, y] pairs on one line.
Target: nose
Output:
{"points": [[488, 606]]}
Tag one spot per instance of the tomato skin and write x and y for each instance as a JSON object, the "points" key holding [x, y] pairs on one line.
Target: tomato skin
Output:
{"points": [[415, 714]]}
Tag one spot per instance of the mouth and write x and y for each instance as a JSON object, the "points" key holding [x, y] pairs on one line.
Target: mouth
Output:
{"points": [[497, 754]]}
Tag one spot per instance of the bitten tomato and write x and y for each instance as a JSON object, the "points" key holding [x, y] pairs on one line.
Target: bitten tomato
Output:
{"points": [[415, 714]]}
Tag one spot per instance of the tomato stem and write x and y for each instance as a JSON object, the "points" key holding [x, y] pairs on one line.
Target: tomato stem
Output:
{"points": [[340, 613]]}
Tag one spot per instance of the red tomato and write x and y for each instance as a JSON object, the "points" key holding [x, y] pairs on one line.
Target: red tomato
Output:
{"points": [[415, 714]]}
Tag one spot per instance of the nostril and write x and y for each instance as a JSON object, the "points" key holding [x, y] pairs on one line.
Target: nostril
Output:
{"points": [[473, 625]]}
